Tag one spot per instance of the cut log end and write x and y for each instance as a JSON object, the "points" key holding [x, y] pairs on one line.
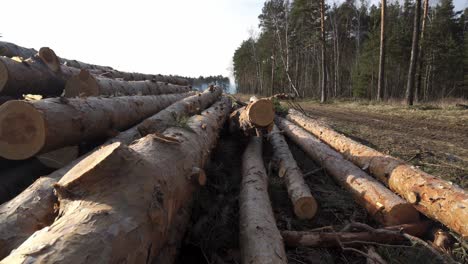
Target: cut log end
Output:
{"points": [[305, 207], [3, 75], [49, 57], [261, 112], [402, 214], [83, 84], [22, 130]]}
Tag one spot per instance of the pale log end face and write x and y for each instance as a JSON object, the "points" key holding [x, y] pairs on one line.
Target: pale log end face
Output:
{"points": [[261, 112], [305, 207], [22, 130], [83, 84], [402, 214], [49, 57], [3, 75]]}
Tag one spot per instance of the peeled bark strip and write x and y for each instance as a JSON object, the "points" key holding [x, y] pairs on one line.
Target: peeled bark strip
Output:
{"points": [[305, 205], [387, 235], [45, 125], [33, 209], [382, 204], [84, 84], [260, 240], [11, 50], [30, 76], [127, 197], [432, 196], [257, 115]]}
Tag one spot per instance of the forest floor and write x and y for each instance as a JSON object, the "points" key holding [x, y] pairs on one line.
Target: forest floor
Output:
{"points": [[437, 136]]}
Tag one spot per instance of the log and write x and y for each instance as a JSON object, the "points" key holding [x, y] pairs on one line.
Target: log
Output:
{"points": [[56, 159], [127, 197], [15, 180], [305, 205], [11, 50], [383, 205], [57, 64], [436, 198], [387, 235], [29, 76], [84, 84], [34, 209], [49, 124], [260, 240], [257, 116]]}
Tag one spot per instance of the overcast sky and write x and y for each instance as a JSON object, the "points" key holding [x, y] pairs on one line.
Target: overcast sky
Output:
{"points": [[184, 37]]}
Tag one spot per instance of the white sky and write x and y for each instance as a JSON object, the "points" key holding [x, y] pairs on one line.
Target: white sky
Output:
{"points": [[184, 37]]}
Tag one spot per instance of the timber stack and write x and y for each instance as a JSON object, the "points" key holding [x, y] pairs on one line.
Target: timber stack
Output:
{"points": [[103, 166]]}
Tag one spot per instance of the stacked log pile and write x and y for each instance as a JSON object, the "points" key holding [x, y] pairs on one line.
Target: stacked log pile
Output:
{"points": [[124, 155]]}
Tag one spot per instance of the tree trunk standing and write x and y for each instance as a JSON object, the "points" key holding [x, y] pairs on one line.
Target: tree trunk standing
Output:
{"points": [[305, 205], [84, 84], [33, 209], [323, 94], [139, 191], [260, 240], [414, 55], [434, 197], [417, 92], [49, 124], [382, 204], [381, 81], [11, 50]]}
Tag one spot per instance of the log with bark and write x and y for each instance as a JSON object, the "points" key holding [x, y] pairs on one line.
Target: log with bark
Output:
{"points": [[11, 50], [382, 204], [260, 240], [432, 196], [46, 125], [85, 84], [255, 118], [57, 64], [34, 209], [305, 205], [387, 235], [56, 159], [127, 197]]}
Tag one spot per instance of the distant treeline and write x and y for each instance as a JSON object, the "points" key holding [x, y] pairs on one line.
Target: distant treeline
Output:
{"points": [[286, 53], [202, 83]]}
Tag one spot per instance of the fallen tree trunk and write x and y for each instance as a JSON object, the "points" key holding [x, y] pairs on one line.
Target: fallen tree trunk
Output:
{"points": [[56, 159], [11, 50], [45, 125], [57, 64], [387, 235], [383, 205], [305, 205], [14, 180], [84, 84], [257, 117], [34, 209], [260, 240], [432, 196], [139, 191]]}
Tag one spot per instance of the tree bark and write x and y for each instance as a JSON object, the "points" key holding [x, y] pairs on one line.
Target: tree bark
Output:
{"points": [[257, 115], [11, 50], [434, 197], [305, 205], [414, 55], [323, 86], [34, 209], [127, 197], [84, 84], [387, 235], [45, 125], [260, 240], [383, 205], [381, 81]]}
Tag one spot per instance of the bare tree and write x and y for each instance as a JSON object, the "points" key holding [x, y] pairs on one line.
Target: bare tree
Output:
{"points": [[414, 55], [421, 52], [323, 94], [381, 81]]}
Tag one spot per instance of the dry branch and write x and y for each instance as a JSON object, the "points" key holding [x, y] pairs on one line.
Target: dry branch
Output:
{"points": [[432, 196], [260, 240], [383, 205]]}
